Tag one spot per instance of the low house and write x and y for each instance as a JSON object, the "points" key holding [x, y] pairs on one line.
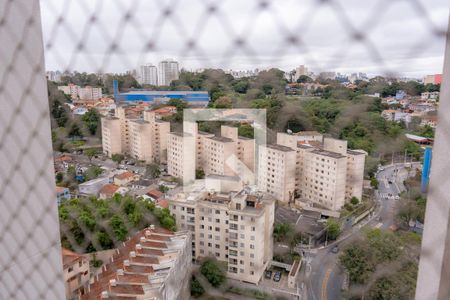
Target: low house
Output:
{"points": [[155, 194], [62, 194], [92, 187], [162, 203], [125, 178], [141, 184], [429, 121], [108, 190], [76, 273]]}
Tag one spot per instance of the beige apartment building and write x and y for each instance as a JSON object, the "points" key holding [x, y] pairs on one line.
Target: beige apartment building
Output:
{"points": [[234, 227], [318, 171], [76, 273], [276, 174], [143, 139], [213, 154], [111, 136]]}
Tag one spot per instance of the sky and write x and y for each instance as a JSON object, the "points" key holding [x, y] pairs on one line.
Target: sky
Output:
{"points": [[403, 37]]}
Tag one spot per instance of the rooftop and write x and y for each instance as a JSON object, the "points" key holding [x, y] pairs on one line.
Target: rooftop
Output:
{"points": [[125, 175], [327, 153], [109, 189], [70, 257], [307, 133], [140, 266], [221, 139], [279, 147]]}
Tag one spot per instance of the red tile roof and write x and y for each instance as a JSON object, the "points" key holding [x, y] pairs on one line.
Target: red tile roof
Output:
{"points": [[155, 193], [60, 189], [131, 272], [125, 175], [109, 189], [70, 257], [163, 203]]}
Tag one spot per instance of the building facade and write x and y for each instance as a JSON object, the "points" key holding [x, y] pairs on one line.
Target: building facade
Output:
{"points": [[148, 74], [215, 155], [143, 139], [326, 174], [76, 273], [233, 227], [167, 71]]}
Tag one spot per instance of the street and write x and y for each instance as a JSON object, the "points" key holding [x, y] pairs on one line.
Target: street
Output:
{"points": [[321, 275]]}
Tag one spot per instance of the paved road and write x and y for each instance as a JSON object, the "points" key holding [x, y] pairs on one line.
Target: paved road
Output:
{"points": [[322, 277]]}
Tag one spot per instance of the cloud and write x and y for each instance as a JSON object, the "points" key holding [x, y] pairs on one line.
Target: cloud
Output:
{"points": [[100, 35]]}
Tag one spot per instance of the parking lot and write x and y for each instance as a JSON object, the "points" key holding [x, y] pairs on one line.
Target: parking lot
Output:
{"points": [[282, 284]]}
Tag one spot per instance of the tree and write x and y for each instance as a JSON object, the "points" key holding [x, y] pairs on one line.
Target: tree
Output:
{"points": [[199, 174], [213, 272], [374, 182], [91, 120], [75, 131], [356, 261], [59, 177], [90, 153], [333, 229], [304, 79], [117, 157], [163, 188], [152, 170], [281, 230], [354, 200], [246, 130], [196, 288], [223, 102]]}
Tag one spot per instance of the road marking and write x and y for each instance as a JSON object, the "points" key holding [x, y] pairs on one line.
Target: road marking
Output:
{"points": [[325, 284]]}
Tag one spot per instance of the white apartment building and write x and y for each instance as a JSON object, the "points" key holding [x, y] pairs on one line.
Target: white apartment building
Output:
{"points": [[140, 140], [148, 74], [234, 227], [70, 89], [85, 93], [213, 154], [326, 173], [143, 139], [167, 71], [89, 93], [276, 174], [111, 136]]}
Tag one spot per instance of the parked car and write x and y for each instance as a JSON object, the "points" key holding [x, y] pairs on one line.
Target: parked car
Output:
{"points": [[268, 274], [335, 249], [277, 276]]}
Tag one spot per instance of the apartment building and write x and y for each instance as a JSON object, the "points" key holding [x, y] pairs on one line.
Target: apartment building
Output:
{"points": [[167, 72], [276, 174], [82, 93], [143, 139], [213, 154], [326, 173], [234, 227], [76, 273], [140, 140], [111, 136], [179, 160], [152, 264]]}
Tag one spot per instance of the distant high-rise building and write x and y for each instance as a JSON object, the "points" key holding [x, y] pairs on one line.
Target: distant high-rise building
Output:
{"points": [[300, 71], [167, 71], [433, 79], [148, 74]]}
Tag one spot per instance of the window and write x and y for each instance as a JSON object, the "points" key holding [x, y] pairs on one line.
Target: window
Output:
{"points": [[252, 255], [217, 246], [217, 229], [252, 246]]}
